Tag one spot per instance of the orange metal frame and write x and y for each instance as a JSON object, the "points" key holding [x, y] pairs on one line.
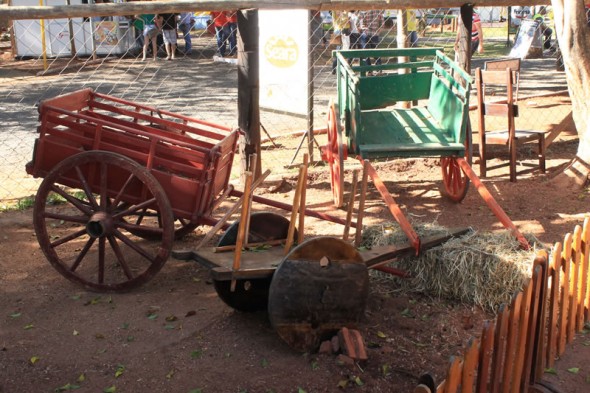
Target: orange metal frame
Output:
{"points": [[405, 225]]}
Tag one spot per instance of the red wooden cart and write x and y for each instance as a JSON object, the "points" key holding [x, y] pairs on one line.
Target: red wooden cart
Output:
{"points": [[123, 173]]}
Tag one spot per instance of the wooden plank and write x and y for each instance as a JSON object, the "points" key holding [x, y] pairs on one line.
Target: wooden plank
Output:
{"points": [[534, 364], [495, 109], [250, 246], [566, 255], [553, 312], [175, 6], [485, 355], [468, 374], [295, 209], [394, 208], [350, 207], [242, 235], [522, 337], [361, 210], [574, 277], [453, 378], [378, 256], [513, 334], [493, 77], [583, 268], [301, 226], [500, 348]]}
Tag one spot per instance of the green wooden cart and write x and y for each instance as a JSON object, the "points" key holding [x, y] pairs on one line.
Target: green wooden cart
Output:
{"points": [[412, 103]]}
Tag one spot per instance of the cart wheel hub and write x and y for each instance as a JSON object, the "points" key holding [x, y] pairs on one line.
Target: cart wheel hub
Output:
{"points": [[99, 225]]}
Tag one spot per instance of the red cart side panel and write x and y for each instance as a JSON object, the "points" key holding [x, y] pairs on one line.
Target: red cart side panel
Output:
{"points": [[192, 159]]}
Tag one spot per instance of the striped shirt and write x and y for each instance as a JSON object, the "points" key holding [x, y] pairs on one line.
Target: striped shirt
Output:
{"points": [[474, 31]]}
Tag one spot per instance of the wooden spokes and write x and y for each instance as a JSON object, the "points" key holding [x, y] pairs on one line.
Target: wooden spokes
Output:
{"points": [[86, 221]]}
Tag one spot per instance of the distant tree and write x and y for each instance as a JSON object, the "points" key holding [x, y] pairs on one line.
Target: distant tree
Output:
{"points": [[573, 35]]}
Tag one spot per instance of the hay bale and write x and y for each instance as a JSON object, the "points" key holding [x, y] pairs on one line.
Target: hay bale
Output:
{"points": [[478, 268]]}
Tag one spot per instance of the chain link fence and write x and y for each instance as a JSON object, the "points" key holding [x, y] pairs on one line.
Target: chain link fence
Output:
{"points": [[44, 58]]}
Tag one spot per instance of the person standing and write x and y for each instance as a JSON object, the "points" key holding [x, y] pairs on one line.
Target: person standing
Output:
{"points": [[547, 32], [370, 23], [169, 34], [152, 25], [412, 28], [186, 23], [232, 21], [476, 35], [342, 29], [355, 36], [220, 22]]}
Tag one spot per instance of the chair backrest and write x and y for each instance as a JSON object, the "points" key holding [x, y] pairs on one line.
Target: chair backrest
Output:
{"points": [[497, 106], [501, 65]]}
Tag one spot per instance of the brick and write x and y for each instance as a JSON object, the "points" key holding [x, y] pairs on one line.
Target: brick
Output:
{"points": [[343, 360], [352, 344], [326, 348]]}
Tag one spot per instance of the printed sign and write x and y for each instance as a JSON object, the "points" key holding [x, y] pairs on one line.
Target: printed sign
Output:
{"points": [[105, 33], [284, 74]]}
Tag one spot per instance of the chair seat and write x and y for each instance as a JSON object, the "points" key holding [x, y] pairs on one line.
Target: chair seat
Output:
{"points": [[500, 137]]}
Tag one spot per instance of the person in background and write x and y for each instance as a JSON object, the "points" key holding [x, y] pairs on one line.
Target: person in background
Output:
{"points": [[412, 26], [355, 36], [232, 21], [547, 32], [186, 23], [476, 35], [370, 22], [341, 28], [152, 25], [222, 32], [169, 34]]}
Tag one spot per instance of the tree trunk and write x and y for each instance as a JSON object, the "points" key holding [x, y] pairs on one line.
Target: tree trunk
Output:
{"points": [[573, 35]]}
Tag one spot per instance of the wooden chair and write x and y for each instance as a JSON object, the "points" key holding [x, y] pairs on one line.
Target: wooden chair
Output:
{"points": [[501, 65], [503, 108]]}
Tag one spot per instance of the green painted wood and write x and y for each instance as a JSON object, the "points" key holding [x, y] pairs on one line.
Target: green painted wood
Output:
{"points": [[376, 129], [382, 91], [448, 110]]}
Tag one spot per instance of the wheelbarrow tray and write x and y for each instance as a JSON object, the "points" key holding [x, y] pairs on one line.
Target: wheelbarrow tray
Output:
{"points": [[189, 157]]}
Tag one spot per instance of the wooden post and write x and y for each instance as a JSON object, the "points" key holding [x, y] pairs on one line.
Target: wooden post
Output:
{"points": [[242, 235], [71, 32], [350, 207], [463, 52], [248, 89], [301, 232], [310, 76], [361, 210]]}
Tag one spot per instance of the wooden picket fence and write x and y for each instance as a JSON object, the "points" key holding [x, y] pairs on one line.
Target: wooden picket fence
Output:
{"points": [[529, 335]]}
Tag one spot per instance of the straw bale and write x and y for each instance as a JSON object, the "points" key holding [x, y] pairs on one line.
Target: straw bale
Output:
{"points": [[479, 268]]}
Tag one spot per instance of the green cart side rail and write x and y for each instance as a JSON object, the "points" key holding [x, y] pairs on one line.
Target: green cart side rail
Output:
{"points": [[375, 129]]}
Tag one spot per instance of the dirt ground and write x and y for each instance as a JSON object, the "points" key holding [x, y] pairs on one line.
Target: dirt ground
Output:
{"points": [[174, 334]]}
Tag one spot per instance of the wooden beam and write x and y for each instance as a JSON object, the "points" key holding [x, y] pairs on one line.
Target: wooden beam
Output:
{"points": [[133, 8]]}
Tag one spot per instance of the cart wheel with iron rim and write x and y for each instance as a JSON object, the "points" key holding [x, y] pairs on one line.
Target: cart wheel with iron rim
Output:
{"points": [[88, 237]]}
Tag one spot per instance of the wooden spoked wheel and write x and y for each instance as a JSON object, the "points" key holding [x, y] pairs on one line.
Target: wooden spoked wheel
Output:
{"points": [[455, 182], [321, 286], [251, 294], [85, 217], [335, 154]]}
